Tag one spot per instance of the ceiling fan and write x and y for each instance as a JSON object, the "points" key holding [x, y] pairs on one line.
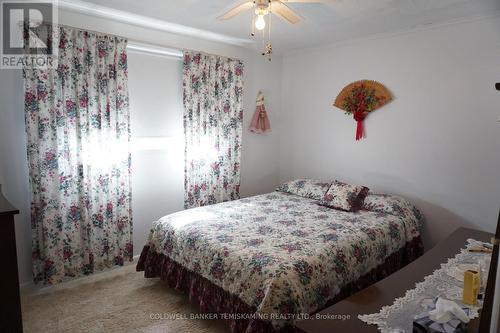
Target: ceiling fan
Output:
{"points": [[262, 8]]}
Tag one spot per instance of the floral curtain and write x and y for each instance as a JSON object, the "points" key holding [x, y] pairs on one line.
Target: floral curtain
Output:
{"points": [[213, 115], [77, 123]]}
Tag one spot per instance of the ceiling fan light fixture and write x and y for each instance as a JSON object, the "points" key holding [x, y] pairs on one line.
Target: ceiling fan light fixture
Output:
{"points": [[263, 8]]}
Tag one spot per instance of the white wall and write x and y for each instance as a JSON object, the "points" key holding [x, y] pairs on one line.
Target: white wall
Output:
{"points": [[13, 163], [259, 160], [437, 143], [157, 189], [155, 111]]}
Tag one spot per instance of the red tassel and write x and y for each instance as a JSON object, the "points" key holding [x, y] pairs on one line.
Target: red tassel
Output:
{"points": [[359, 117], [359, 131]]}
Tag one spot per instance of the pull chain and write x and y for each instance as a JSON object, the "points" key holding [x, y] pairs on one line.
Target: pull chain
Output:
{"points": [[269, 49], [253, 19], [264, 42]]}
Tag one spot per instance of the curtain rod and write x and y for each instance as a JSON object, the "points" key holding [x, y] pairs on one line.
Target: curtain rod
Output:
{"points": [[165, 51], [154, 50]]}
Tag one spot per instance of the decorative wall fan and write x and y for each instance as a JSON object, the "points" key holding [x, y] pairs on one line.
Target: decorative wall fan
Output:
{"points": [[263, 8]]}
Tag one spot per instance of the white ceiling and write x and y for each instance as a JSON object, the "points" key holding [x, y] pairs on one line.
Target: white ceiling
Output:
{"points": [[337, 21]]}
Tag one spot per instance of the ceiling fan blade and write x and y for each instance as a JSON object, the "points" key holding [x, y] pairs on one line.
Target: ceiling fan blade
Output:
{"points": [[284, 12], [236, 10]]}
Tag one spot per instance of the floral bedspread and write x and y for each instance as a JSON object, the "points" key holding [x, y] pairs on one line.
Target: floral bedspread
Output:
{"points": [[282, 253]]}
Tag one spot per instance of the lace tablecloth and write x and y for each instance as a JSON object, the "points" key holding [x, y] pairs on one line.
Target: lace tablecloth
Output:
{"points": [[446, 282]]}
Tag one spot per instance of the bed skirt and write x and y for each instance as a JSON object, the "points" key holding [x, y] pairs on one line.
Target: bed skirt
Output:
{"points": [[213, 299]]}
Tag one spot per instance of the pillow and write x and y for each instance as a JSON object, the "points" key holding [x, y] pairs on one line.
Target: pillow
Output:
{"points": [[390, 204], [307, 188], [344, 196]]}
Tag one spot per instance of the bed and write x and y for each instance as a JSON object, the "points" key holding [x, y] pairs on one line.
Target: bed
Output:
{"points": [[264, 262]]}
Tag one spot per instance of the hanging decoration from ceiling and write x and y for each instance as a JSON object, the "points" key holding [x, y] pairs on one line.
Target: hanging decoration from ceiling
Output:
{"points": [[263, 9], [360, 98], [260, 122]]}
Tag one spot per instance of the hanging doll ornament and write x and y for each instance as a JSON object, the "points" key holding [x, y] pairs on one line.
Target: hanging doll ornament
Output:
{"points": [[260, 121], [359, 99]]}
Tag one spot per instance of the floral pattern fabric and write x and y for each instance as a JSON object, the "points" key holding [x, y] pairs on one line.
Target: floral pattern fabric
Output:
{"points": [[213, 116], [77, 124], [307, 188], [344, 196], [384, 204], [280, 253]]}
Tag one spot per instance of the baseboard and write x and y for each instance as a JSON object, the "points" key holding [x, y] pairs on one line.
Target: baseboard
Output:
{"points": [[27, 287]]}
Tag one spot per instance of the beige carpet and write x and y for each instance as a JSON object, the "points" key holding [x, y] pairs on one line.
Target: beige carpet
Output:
{"points": [[120, 300]]}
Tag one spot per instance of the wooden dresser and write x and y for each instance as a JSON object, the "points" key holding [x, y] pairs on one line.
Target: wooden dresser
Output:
{"points": [[10, 302], [373, 298]]}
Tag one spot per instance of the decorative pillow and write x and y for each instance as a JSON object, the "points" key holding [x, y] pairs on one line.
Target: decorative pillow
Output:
{"points": [[307, 188], [390, 204], [344, 196]]}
